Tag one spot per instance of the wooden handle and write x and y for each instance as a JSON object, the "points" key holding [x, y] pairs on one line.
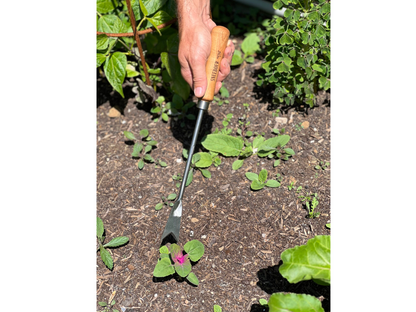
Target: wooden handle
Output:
{"points": [[219, 39]]}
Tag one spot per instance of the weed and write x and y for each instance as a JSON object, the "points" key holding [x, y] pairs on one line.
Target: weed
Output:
{"points": [[291, 186], [311, 202], [166, 201], [323, 165], [260, 180], [249, 46], [142, 147]]}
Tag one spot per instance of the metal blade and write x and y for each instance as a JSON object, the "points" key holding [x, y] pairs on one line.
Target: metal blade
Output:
{"points": [[171, 232]]}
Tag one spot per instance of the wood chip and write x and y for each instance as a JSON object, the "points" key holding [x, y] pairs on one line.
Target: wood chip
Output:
{"points": [[131, 268], [194, 220], [305, 125], [266, 251]]}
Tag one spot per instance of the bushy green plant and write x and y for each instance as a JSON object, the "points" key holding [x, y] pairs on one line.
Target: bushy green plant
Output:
{"points": [[298, 57], [142, 147]]}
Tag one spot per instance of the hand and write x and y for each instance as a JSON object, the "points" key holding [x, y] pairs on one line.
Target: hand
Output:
{"points": [[194, 49]]}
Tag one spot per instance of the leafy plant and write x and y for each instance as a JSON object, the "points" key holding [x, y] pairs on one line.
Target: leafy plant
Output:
{"points": [[301, 263], [260, 180], [225, 123], [274, 148], [224, 94], [291, 186], [115, 242], [107, 306], [217, 308], [176, 109], [142, 147], [249, 46], [311, 202], [200, 161], [166, 201], [297, 63], [322, 165], [173, 260]]}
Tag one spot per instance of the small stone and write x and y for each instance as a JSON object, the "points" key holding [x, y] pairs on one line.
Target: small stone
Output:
{"points": [[113, 113], [280, 121], [305, 125], [131, 268]]}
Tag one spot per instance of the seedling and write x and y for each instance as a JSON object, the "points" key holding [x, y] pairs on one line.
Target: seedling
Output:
{"points": [[249, 46], [299, 127], [247, 107], [200, 161], [311, 202], [217, 308], [166, 201], [291, 186], [176, 108], [224, 94], [274, 147], [115, 242], [260, 180], [107, 307], [242, 128], [225, 123], [173, 260], [142, 147], [322, 165], [328, 225], [276, 113]]}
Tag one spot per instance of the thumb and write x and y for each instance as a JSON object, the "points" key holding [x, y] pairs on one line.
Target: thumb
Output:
{"points": [[199, 76]]}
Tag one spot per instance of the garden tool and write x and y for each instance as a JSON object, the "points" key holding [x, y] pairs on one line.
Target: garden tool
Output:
{"points": [[219, 38]]}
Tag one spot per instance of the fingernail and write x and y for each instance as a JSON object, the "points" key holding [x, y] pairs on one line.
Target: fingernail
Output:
{"points": [[198, 92]]}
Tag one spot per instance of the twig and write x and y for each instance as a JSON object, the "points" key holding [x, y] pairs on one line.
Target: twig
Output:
{"points": [[139, 45], [140, 32]]}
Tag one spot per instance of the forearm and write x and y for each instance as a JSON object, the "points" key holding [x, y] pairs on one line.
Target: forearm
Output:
{"points": [[191, 12]]}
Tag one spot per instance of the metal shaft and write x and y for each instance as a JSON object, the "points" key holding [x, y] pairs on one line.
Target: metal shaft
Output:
{"points": [[191, 151]]}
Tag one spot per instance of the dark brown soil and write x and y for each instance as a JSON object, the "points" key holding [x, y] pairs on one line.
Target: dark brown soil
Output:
{"points": [[244, 232]]}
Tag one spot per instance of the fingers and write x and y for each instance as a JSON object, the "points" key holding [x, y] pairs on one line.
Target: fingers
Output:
{"points": [[218, 86]]}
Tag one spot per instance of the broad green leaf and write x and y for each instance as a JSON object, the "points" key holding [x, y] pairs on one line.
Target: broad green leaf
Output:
{"points": [[117, 241], [152, 143], [250, 44], [237, 58], [175, 251], [280, 302], [258, 141], [286, 39], [192, 279], [252, 176], [217, 308], [102, 43], [165, 117], [171, 196], [153, 6], [159, 206], [324, 83], [137, 149], [111, 24], [106, 257], [190, 177], [206, 173], [129, 135], [224, 92], [310, 261], [100, 228], [131, 71], [276, 163], [263, 301], [250, 59], [163, 268], [143, 8], [205, 160], [256, 185], [153, 23], [224, 144], [148, 148], [148, 158], [263, 176], [144, 133], [115, 71], [183, 269], [140, 164], [237, 164], [164, 250], [103, 304], [158, 19], [272, 183], [195, 249], [272, 143], [290, 151], [105, 6]]}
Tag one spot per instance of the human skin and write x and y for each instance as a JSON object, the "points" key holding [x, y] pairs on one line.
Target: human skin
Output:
{"points": [[195, 27]]}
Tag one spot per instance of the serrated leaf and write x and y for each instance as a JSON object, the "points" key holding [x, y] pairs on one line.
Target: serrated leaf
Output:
{"points": [[280, 302], [272, 183], [256, 185], [100, 228], [195, 249], [263, 176], [159, 206], [252, 176], [192, 279], [106, 257], [238, 164], [310, 261], [224, 144], [163, 268], [117, 241], [115, 71]]}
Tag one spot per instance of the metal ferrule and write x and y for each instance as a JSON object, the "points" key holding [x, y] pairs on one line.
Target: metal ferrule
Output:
{"points": [[203, 105]]}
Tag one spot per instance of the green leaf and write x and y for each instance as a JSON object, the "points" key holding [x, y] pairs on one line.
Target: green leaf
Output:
{"points": [[148, 158], [106, 257], [263, 176], [250, 59], [252, 176], [151, 21], [310, 261], [237, 58], [152, 143], [100, 228], [159, 206], [171, 196], [111, 24], [163, 268], [103, 304], [238, 164], [270, 145], [276, 163], [224, 144], [328, 225], [263, 301], [205, 160], [100, 59], [285, 39], [256, 185], [250, 44], [280, 302], [144, 133], [183, 269], [162, 163], [272, 183], [148, 148], [117, 241], [206, 173], [195, 249], [224, 92], [143, 8], [137, 149], [140, 164], [190, 177], [192, 279], [158, 19], [164, 250], [102, 43], [153, 6], [129, 135], [115, 71], [289, 151], [258, 141]]}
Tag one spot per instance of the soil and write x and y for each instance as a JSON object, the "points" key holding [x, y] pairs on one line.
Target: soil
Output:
{"points": [[244, 232]]}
